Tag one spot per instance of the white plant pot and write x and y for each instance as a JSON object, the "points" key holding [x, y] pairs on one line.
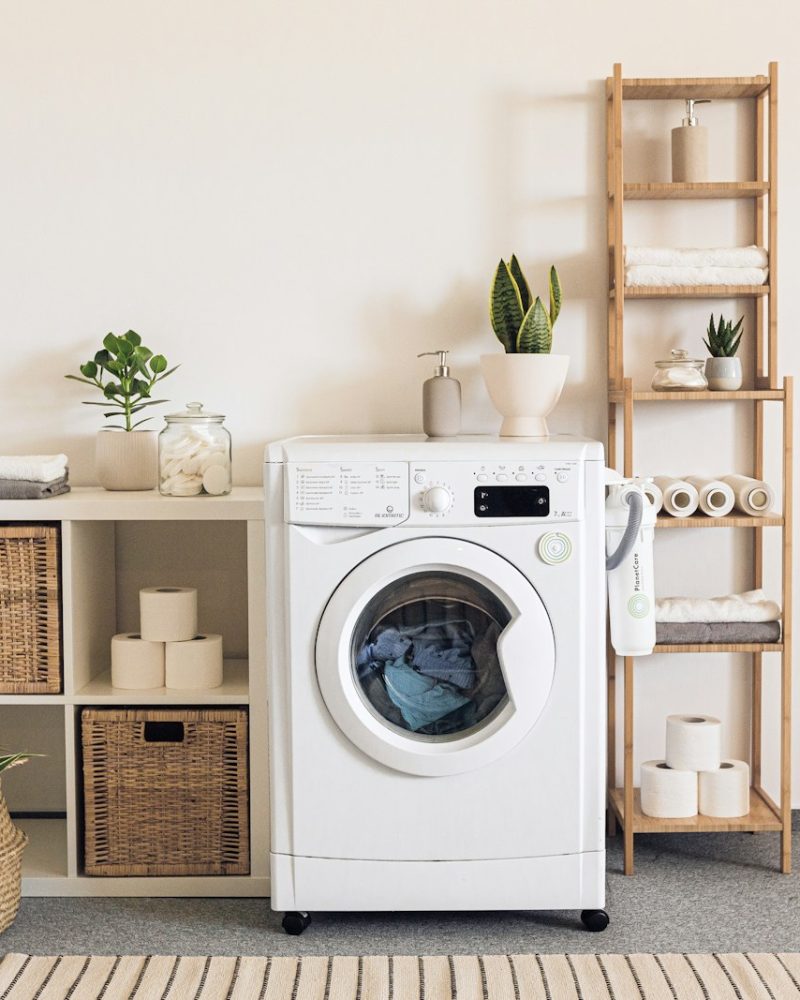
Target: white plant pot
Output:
{"points": [[127, 460], [724, 374], [524, 388]]}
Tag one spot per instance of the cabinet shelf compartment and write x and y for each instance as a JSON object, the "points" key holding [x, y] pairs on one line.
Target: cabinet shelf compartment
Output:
{"points": [[731, 521], [720, 647], [692, 292], [762, 817], [696, 87], [680, 190], [702, 396]]}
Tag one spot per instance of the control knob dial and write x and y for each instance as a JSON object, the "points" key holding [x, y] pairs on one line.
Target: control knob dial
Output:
{"points": [[437, 499]]}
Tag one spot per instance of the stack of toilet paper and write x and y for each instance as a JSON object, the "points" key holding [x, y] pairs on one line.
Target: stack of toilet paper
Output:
{"points": [[716, 497], [693, 777], [168, 651]]}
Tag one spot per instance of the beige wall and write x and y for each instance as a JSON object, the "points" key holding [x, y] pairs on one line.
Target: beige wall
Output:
{"points": [[292, 199]]}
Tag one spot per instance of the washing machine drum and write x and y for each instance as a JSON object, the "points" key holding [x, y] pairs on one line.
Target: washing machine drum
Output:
{"points": [[435, 656]]}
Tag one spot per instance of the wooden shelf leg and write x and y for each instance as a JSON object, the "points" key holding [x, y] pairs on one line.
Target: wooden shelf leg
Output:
{"points": [[628, 768], [786, 655], [611, 732]]}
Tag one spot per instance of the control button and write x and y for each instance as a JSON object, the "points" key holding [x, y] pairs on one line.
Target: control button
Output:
{"points": [[521, 478], [501, 477], [482, 477], [555, 547], [540, 477], [562, 477], [437, 499], [419, 477]]}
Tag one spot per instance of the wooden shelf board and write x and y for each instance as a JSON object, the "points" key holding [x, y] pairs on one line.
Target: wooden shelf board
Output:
{"points": [[733, 521], [692, 291], [234, 690], [679, 190], [680, 88], [760, 818], [91, 503], [720, 647], [46, 853], [704, 396]]}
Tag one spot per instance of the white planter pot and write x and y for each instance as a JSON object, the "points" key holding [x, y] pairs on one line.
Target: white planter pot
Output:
{"points": [[127, 460], [524, 388], [724, 374]]}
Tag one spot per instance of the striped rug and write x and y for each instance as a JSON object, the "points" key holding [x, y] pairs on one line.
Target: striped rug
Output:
{"points": [[459, 977]]}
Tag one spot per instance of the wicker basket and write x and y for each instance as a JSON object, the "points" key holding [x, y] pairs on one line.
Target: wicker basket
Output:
{"points": [[165, 791], [12, 844], [30, 619]]}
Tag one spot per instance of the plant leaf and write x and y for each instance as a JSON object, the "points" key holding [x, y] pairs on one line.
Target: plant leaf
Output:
{"points": [[111, 343], [97, 402], [169, 371], [89, 369], [143, 421], [158, 363], [125, 348], [536, 331], [505, 307], [112, 389], [133, 338], [77, 378], [101, 358], [555, 296], [522, 284]]}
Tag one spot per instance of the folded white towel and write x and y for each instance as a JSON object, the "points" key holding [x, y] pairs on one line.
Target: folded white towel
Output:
{"points": [[751, 256], [35, 468], [752, 606], [656, 276]]}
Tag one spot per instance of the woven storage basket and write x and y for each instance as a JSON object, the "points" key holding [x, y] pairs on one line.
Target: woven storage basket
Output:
{"points": [[30, 619], [12, 844], [165, 791]]}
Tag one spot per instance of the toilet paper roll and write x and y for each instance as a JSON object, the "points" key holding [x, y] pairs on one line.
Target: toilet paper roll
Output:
{"points": [[667, 793], [752, 496], [694, 742], [653, 493], [726, 791], [136, 664], [168, 614], [680, 497], [196, 664], [715, 496]]}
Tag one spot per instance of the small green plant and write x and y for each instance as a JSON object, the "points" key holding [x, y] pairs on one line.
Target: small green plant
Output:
{"points": [[723, 341], [8, 760], [125, 371], [522, 326]]}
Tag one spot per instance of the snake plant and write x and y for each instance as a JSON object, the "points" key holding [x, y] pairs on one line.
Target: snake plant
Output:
{"points": [[522, 326], [723, 341]]}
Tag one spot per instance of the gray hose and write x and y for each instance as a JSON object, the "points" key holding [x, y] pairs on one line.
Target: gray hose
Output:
{"points": [[636, 503]]}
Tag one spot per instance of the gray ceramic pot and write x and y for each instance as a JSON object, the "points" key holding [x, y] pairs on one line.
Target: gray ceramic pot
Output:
{"points": [[724, 374]]}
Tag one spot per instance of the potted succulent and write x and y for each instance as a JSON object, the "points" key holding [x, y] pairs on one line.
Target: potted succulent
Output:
{"points": [[723, 368], [125, 372], [12, 844], [524, 382]]}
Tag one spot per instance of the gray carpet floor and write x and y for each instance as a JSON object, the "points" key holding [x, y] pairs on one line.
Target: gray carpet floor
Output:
{"points": [[691, 893]]}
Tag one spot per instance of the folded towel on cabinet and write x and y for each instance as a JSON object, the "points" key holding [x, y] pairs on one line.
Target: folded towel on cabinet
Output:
{"points": [[697, 633], [34, 468], [656, 276], [752, 606], [27, 489], [751, 256]]}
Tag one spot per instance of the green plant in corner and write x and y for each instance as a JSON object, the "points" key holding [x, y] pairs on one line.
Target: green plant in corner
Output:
{"points": [[125, 371], [723, 341], [8, 760], [522, 326]]}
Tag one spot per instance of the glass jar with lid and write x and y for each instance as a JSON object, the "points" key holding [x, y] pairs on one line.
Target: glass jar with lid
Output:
{"points": [[679, 372], [194, 454]]}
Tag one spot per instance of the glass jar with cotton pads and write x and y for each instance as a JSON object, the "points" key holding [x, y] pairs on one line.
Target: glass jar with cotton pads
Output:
{"points": [[679, 373], [194, 454]]}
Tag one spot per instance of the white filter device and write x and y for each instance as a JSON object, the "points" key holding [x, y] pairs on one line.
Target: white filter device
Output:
{"points": [[631, 587]]}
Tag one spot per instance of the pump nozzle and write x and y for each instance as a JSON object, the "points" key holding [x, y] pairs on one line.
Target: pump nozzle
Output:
{"points": [[691, 117], [442, 368]]}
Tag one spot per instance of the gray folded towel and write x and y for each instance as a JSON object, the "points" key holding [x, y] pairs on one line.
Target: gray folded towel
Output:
{"points": [[698, 633], [27, 489]]}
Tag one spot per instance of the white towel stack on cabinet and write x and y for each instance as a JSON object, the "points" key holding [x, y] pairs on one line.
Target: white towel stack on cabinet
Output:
{"points": [[693, 776], [168, 651], [655, 267]]}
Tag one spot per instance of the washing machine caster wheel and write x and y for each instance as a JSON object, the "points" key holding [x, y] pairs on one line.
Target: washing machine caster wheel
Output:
{"points": [[594, 920], [295, 922]]}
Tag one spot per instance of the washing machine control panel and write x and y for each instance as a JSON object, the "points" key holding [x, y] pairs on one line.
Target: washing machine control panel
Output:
{"points": [[348, 493]]}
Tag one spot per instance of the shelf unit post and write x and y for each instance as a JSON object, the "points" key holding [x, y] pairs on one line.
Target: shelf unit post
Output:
{"points": [[786, 655], [628, 826], [772, 304]]}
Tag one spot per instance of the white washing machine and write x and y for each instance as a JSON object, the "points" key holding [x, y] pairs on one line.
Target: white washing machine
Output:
{"points": [[436, 663]]}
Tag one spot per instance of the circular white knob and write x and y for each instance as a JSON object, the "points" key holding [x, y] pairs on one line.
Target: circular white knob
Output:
{"points": [[437, 499]]}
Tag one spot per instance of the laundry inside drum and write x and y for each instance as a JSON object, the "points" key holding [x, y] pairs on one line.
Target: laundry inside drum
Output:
{"points": [[424, 654]]}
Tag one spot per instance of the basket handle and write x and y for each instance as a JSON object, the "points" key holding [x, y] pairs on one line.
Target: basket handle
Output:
{"points": [[164, 732]]}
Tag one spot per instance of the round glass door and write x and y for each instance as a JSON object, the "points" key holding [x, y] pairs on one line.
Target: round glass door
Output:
{"points": [[424, 655]]}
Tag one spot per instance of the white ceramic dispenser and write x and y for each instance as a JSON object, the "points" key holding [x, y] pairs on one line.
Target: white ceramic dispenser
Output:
{"points": [[441, 400], [690, 147]]}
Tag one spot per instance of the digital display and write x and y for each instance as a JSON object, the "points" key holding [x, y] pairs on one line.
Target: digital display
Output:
{"points": [[512, 501]]}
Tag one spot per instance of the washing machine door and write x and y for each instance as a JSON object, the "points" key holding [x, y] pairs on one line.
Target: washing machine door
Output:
{"points": [[435, 656]]}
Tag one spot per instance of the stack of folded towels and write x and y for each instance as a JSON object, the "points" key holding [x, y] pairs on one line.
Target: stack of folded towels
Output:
{"points": [[33, 477], [660, 266], [748, 617]]}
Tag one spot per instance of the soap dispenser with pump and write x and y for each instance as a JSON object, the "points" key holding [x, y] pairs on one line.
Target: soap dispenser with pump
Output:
{"points": [[441, 400], [690, 147]]}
